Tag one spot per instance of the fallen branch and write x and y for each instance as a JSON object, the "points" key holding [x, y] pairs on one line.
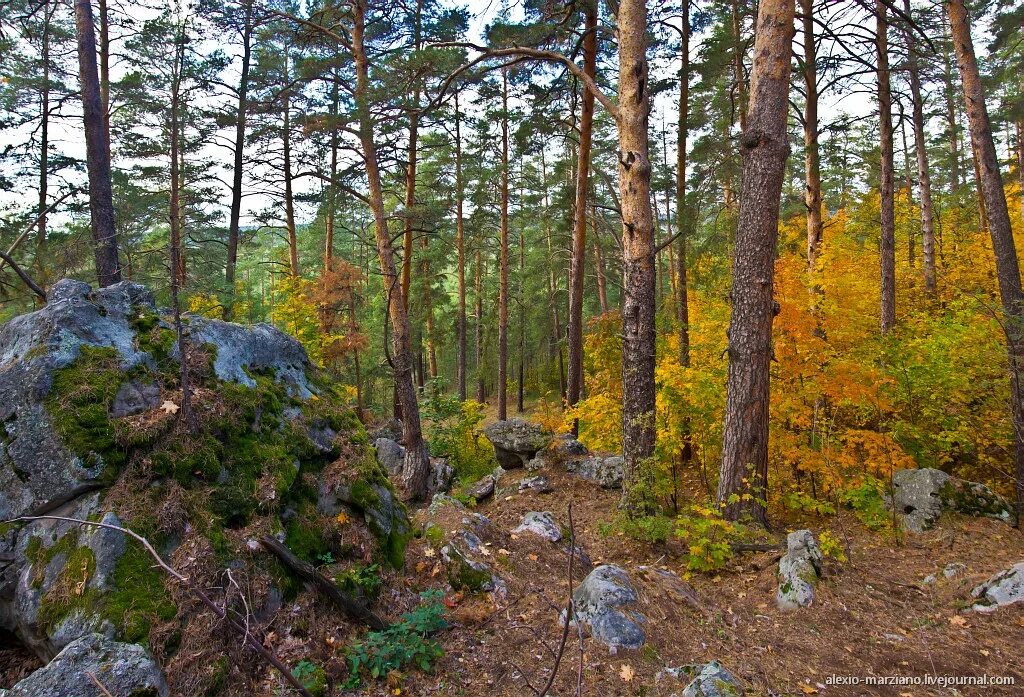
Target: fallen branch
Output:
{"points": [[250, 640], [352, 607]]}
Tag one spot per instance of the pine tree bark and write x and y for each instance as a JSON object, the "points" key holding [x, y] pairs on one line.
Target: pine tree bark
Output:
{"points": [[1000, 230], [175, 220], [924, 182], [241, 114], [97, 153], [578, 253], [602, 282], [460, 249], [638, 302], [553, 304], [503, 260], [743, 483], [887, 246], [44, 150], [416, 467]]}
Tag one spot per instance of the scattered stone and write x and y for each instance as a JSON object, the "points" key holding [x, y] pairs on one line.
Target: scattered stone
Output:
{"points": [[954, 569], [390, 455], [537, 483], [799, 571], [1005, 588], [603, 602], [713, 680], [894, 638], [541, 524], [482, 489], [516, 441], [135, 397], [536, 464], [122, 669], [606, 471], [921, 496]]}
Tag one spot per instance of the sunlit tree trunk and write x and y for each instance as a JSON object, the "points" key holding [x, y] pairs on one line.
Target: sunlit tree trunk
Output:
{"points": [[97, 152], [743, 484], [410, 171], [332, 197], [1007, 267], [416, 467], [887, 246], [638, 301]]}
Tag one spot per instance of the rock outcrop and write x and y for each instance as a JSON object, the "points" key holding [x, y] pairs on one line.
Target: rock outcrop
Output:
{"points": [[799, 571], [921, 496], [516, 441], [713, 680], [89, 402]]}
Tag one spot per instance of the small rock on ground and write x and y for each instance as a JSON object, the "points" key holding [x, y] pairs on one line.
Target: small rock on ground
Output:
{"points": [[1005, 588], [604, 602], [541, 524], [799, 571]]}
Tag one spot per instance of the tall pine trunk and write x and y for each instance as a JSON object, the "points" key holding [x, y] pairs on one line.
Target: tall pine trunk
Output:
{"points": [[97, 152], [578, 254], [416, 467], [638, 302], [1007, 267], [743, 484], [460, 249], [682, 215], [812, 160], [924, 182], [289, 196], [235, 217], [887, 245], [503, 260]]}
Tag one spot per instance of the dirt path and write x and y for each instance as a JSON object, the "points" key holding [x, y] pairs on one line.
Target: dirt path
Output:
{"points": [[873, 615]]}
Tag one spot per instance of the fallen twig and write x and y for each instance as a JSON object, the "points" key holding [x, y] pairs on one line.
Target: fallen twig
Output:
{"points": [[353, 607]]}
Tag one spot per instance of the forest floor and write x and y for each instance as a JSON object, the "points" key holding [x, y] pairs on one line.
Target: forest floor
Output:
{"points": [[873, 615]]}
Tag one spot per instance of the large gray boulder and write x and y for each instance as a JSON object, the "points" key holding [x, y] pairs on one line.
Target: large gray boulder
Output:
{"points": [[462, 557], [516, 441], [921, 496], [604, 470], [1005, 588], [605, 603], [799, 571], [95, 666]]}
